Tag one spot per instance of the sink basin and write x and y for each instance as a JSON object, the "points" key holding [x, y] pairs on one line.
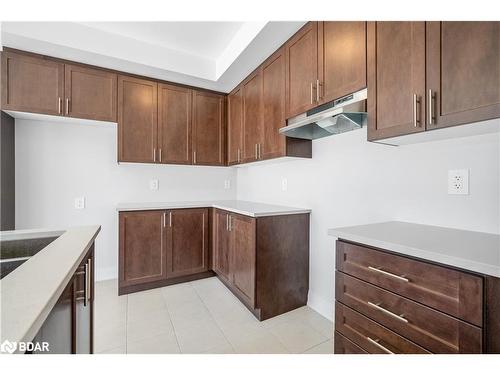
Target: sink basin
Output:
{"points": [[15, 252]]}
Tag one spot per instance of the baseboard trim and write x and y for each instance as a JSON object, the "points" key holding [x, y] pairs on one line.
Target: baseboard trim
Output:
{"points": [[321, 305]]}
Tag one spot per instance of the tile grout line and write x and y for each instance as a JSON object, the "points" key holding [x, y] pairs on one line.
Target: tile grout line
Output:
{"points": [[215, 320], [171, 323]]}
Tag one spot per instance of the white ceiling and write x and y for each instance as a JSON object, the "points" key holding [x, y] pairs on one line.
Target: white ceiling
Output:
{"points": [[213, 55], [204, 39]]}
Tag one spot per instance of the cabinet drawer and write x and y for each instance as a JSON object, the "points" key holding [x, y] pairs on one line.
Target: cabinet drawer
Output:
{"points": [[438, 332], [370, 335], [456, 293], [346, 346]]}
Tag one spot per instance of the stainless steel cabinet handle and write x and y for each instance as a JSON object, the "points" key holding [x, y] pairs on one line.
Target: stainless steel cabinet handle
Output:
{"points": [[160, 155], [239, 155], [256, 151], [67, 106], [227, 222], [401, 278], [416, 118], [317, 90], [230, 223], [59, 105], [86, 287], [260, 151], [377, 344], [311, 93], [164, 219], [154, 154], [431, 107], [89, 283], [170, 219], [194, 157], [390, 313]]}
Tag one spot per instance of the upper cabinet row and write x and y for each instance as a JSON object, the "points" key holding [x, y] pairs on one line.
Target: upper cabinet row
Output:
{"points": [[43, 85], [429, 75], [160, 123]]}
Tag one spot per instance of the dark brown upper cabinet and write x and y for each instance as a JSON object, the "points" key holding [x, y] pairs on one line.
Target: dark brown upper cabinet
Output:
{"points": [[273, 144], [235, 126], [174, 124], [142, 248], [208, 139], [252, 116], [396, 78], [32, 84], [187, 241], [90, 93], [341, 59], [137, 120], [463, 72], [302, 70]]}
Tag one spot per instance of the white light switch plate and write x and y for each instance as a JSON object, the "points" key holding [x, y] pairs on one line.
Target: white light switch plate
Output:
{"points": [[458, 181], [227, 184], [80, 203], [154, 184]]}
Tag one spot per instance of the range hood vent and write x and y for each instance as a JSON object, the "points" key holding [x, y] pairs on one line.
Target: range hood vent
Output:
{"points": [[338, 116]]}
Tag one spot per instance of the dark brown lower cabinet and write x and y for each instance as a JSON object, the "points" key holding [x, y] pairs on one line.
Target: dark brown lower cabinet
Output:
{"points": [[69, 327], [162, 247], [387, 303], [264, 261]]}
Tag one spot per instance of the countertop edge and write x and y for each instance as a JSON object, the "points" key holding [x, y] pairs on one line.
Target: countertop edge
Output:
{"points": [[445, 260]]}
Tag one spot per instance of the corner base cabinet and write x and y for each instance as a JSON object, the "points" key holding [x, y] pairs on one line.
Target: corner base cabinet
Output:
{"points": [[264, 261], [388, 303]]}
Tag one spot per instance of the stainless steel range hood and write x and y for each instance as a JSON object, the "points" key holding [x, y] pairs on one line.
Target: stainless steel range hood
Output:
{"points": [[339, 116]]}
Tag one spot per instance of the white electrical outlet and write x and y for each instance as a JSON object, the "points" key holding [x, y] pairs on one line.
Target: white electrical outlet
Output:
{"points": [[458, 181], [154, 184], [80, 203], [284, 184], [227, 184]]}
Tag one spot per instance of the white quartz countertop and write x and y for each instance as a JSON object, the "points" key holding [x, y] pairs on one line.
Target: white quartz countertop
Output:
{"points": [[253, 209], [473, 251], [29, 293]]}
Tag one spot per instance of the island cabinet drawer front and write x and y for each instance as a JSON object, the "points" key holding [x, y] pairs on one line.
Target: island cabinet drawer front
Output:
{"points": [[346, 346], [371, 336], [436, 331], [456, 293]]}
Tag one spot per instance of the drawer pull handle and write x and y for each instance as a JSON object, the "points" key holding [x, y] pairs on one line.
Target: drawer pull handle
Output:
{"points": [[401, 278], [378, 345], [390, 313]]}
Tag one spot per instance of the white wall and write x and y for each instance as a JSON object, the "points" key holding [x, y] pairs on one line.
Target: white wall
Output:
{"points": [[350, 181], [57, 162]]}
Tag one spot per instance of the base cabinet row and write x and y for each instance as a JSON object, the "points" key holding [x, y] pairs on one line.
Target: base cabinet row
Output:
{"points": [[264, 261]]}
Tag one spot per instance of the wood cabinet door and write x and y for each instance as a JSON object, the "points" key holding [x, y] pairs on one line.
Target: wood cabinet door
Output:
{"points": [[142, 250], [32, 84], [137, 120], [396, 78], [302, 70], [273, 144], [90, 93], [174, 124], [221, 248], [208, 128], [341, 59], [243, 256], [235, 126], [187, 241], [463, 72], [252, 116]]}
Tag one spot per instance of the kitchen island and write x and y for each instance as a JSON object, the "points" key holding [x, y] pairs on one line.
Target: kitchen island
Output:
{"points": [[49, 297]]}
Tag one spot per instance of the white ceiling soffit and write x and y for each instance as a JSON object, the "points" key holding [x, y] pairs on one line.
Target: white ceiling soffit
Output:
{"points": [[212, 55]]}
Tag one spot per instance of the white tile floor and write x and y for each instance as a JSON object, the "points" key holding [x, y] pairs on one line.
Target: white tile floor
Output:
{"points": [[200, 317]]}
